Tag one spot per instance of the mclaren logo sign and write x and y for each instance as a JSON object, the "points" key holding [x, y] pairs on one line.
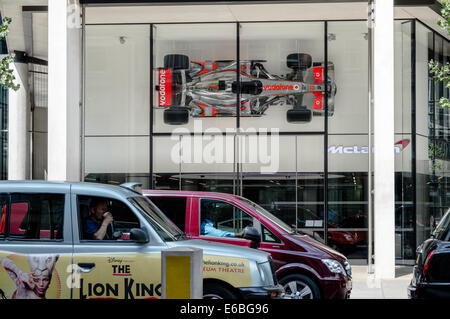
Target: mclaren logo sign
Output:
{"points": [[355, 149]]}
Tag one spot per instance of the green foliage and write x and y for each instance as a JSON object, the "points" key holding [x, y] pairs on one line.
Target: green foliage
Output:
{"points": [[440, 72], [7, 78]]}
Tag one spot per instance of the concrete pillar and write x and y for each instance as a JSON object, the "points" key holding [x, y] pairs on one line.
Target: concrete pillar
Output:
{"points": [[384, 178], [18, 125], [64, 90]]}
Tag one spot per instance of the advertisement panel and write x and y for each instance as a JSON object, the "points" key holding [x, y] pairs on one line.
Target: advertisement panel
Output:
{"points": [[34, 276]]}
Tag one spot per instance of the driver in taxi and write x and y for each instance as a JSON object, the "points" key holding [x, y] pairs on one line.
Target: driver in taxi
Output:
{"points": [[96, 226]]}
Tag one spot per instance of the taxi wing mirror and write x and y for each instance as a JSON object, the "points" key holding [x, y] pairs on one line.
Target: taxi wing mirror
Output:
{"points": [[139, 235], [251, 233]]}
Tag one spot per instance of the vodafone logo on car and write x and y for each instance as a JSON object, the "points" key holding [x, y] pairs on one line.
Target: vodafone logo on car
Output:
{"points": [[281, 86], [165, 87]]}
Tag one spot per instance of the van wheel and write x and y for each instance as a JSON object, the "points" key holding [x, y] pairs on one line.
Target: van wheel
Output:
{"points": [[216, 291], [299, 286]]}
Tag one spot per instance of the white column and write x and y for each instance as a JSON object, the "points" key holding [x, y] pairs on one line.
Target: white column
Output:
{"points": [[64, 97], [384, 196], [18, 126]]}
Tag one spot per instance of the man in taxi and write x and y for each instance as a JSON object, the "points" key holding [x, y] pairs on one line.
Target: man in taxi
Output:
{"points": [[96, 226]]}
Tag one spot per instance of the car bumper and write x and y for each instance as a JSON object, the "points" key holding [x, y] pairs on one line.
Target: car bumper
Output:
{"points": [[250, 293], [429, 291], [412, 292], [336, 288]]}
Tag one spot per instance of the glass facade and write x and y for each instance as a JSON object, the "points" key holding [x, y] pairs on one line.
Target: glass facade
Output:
{"points": [[276, 112]]}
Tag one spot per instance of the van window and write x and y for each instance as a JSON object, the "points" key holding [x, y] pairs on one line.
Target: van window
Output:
{"points": [[222, 219], [119, 229], [36, 216], [172, 207], [268, 236]]}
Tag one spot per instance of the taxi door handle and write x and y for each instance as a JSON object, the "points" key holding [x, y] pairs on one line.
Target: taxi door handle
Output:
{"points": [[86, 267]]}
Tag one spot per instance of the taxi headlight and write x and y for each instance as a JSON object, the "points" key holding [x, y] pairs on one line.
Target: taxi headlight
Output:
{"points": [[265, 272]]}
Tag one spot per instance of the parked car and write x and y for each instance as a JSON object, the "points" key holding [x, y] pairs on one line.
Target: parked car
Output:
{"points": [[431, 275], [305, 267], [46, 250]]}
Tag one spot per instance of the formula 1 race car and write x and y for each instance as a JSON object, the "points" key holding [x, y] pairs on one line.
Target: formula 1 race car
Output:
{"points": [[211, 89]]}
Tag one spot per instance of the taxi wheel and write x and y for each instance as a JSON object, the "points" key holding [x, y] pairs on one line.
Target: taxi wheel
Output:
{"points": [[299, 286], [216, 291]]}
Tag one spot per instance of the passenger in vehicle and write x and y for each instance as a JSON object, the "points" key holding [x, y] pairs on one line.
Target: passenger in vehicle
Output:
{"points": [[207, 228], [96, 225]]}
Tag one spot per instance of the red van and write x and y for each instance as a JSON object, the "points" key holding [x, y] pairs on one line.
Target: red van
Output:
{"points": [[305, 267]]}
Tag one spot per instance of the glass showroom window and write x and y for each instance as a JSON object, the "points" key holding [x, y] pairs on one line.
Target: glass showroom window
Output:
{"points": [[117, 103], [196, 163], [404, 201], [348, 139], [194, 106], [194, 77], [282, 74], [431, 134]]}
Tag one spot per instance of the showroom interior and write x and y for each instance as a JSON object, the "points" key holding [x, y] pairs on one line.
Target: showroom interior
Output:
{"points": [[320, 181]]}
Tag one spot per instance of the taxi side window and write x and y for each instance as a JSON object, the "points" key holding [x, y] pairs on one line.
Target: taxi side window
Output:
{"points": [[268, 236], [123, 218], [222, 219], [172, 207], [36, 216]]}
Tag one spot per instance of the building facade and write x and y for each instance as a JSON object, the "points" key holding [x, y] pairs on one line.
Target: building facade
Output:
{"points": [[107, 67]]}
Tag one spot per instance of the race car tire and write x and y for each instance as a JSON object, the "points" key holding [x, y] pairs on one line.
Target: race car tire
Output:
{"points": [[176, 116], [299, 61], [212, 290], [176, 62], [299, 116], [298, 286]]}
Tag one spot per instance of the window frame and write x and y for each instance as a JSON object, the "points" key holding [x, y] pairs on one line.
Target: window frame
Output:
{"points": [[225, 201], [186, 209], [279, 242], [14, 237], [102, 241]]}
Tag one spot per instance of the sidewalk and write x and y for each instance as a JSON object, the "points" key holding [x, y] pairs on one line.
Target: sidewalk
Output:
{"points": [[366, 287]]}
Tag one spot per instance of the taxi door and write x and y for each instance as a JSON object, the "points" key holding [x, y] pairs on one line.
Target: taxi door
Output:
{"points": [[114, 268], [35, 243]]}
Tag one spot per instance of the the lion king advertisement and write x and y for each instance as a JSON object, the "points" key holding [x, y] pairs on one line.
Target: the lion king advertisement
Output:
{"points": [[37, 276], [101, 276]]}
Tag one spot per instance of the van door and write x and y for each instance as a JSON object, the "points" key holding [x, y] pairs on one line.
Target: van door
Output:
{"points": [[35, 245], [114, 267], [220, 221]]}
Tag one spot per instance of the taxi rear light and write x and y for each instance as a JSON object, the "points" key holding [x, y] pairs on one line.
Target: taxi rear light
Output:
{"points": [[427, 263]]}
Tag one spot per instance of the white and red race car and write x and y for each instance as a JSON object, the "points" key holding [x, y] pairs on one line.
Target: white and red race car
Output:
{"points": [[210, 88]]}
